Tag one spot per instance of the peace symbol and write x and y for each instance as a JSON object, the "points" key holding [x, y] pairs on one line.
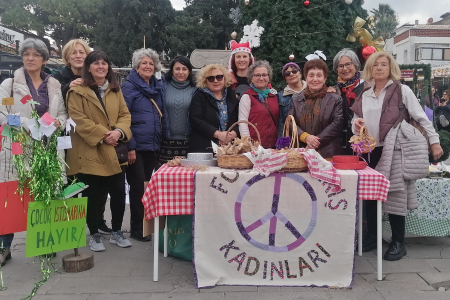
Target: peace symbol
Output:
{"points": [[274, 215]]}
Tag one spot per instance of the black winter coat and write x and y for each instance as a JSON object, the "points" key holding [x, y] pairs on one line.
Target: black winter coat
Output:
{"points": [[204, 119], [65, 77]]}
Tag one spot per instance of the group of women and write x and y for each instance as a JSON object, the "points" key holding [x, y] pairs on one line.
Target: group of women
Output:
{"points": [[159, 118]]}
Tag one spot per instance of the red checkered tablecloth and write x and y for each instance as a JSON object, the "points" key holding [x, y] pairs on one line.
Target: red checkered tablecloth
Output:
{"points": [[372, 185], [171, 190]]}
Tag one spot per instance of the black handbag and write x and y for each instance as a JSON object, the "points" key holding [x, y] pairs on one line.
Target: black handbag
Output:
{"points": [[122, 152]]}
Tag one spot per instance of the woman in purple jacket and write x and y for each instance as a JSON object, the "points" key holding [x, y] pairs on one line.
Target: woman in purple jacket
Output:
{"points": [[144, 95]]}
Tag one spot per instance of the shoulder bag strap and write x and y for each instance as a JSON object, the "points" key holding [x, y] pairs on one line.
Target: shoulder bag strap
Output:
{"points": [[273, 119], [12, 85], [156, 105]]}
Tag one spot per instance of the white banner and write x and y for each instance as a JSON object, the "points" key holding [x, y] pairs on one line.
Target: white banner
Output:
{"points": [[287, 229], [8, 37]]}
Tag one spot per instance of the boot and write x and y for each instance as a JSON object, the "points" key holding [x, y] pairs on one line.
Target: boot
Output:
{"points": [[395, 251], [5, 254]]}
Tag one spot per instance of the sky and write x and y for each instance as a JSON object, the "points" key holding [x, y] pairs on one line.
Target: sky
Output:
{"points": [[408, 10]]}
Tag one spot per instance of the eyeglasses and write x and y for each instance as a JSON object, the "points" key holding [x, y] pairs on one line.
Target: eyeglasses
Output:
{"points": [[346, 65], [212, 78], [288, 73], [260, 75]]}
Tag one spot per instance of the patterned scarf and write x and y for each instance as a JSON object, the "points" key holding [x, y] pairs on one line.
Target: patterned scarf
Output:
{"points": [[347, 87], [262, 95], [310, 117], [102, 89]]}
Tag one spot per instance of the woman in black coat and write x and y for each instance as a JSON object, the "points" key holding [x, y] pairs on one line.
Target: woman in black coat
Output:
{"points": [[73, 54], [214, 108]]}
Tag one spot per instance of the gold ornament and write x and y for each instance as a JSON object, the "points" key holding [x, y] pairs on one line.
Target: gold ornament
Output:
{"points": [[366, 39]]}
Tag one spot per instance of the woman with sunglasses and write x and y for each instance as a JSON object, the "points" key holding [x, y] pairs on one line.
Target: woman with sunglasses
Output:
{"points": [[259, 105], [293, 76], [213, 109]]}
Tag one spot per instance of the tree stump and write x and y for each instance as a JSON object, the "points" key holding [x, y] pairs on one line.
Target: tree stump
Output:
{"points": [[80, 263]]}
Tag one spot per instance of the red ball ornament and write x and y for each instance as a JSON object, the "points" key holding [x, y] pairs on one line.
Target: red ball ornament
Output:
{"points": [[306, 3], [367, 51]]}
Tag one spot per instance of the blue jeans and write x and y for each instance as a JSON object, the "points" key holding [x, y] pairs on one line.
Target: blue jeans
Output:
{"points": [[6, 240]]}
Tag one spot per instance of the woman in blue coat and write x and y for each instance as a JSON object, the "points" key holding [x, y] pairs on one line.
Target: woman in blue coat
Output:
{"points": [[144, 95]]}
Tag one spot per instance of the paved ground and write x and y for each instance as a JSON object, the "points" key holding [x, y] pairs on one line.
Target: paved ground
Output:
{"points": [[127, 274]]}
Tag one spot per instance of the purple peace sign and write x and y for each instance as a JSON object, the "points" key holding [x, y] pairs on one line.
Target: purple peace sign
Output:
{"points": [[274, 215]]}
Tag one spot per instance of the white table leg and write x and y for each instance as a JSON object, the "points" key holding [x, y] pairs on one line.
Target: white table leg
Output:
{"points": [[155, 249], [166, 238], [379, 241], [360, 226]]}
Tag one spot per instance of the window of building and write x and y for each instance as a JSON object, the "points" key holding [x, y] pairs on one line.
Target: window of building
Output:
{"points": [[426, 53], [438, 54], [432, 54], [446, 54]]}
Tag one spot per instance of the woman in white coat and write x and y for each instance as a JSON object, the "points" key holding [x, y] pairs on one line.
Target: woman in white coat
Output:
{"points": [[44, 89]]}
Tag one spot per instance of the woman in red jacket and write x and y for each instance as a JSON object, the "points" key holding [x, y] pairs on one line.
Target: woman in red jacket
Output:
{"points": [[259, 105]]}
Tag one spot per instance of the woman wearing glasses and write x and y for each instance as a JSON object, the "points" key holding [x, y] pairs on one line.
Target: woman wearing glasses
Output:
{"points": [[350, 85], [213, 109], [293, 76], [259, 105]]}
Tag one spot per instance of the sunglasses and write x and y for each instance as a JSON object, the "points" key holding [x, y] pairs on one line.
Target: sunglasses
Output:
{"points": [[212, 78], [288, 73]]}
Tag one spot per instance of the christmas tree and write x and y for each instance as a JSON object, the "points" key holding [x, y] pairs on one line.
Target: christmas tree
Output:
{"points": [[301, 27]]}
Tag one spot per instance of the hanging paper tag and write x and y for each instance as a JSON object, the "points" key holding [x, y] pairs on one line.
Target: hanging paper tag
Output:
{"points": [[64, 142], [6, 132], [34, 129], [70, 124], [13, 120], [47, 130], [47, 119], [16, 148], [25, 99], [8, 101]]}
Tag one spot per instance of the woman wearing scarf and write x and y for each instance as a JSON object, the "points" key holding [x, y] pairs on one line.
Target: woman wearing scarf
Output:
{"points": [[149, 124], [259, 106], [318, 114], [103, 121], [213, 109], [350, 85], [292, 74]]}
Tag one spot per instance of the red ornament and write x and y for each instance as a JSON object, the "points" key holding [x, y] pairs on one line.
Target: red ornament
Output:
{"points": [[367, 51], [306, 3]]}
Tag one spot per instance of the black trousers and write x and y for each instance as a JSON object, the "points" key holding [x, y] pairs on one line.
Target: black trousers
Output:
{"points": [[397, 222], [137, 174], [97, 193]]}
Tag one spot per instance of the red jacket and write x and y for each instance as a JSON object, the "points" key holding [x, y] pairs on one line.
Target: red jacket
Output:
{"points": [[263, 120]]}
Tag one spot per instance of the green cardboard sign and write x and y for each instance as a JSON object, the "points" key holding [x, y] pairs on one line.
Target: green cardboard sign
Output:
{"points": [[56, 227]]}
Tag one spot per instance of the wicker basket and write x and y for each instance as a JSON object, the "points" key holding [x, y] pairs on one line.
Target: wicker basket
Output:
{"points": [[369, 143], [236, 161], [296, 162]]}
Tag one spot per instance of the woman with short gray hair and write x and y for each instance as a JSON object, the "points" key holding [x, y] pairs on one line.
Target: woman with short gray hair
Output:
{"points": [[350, 85], [145, 98], [259, 105], [44, 89]]}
